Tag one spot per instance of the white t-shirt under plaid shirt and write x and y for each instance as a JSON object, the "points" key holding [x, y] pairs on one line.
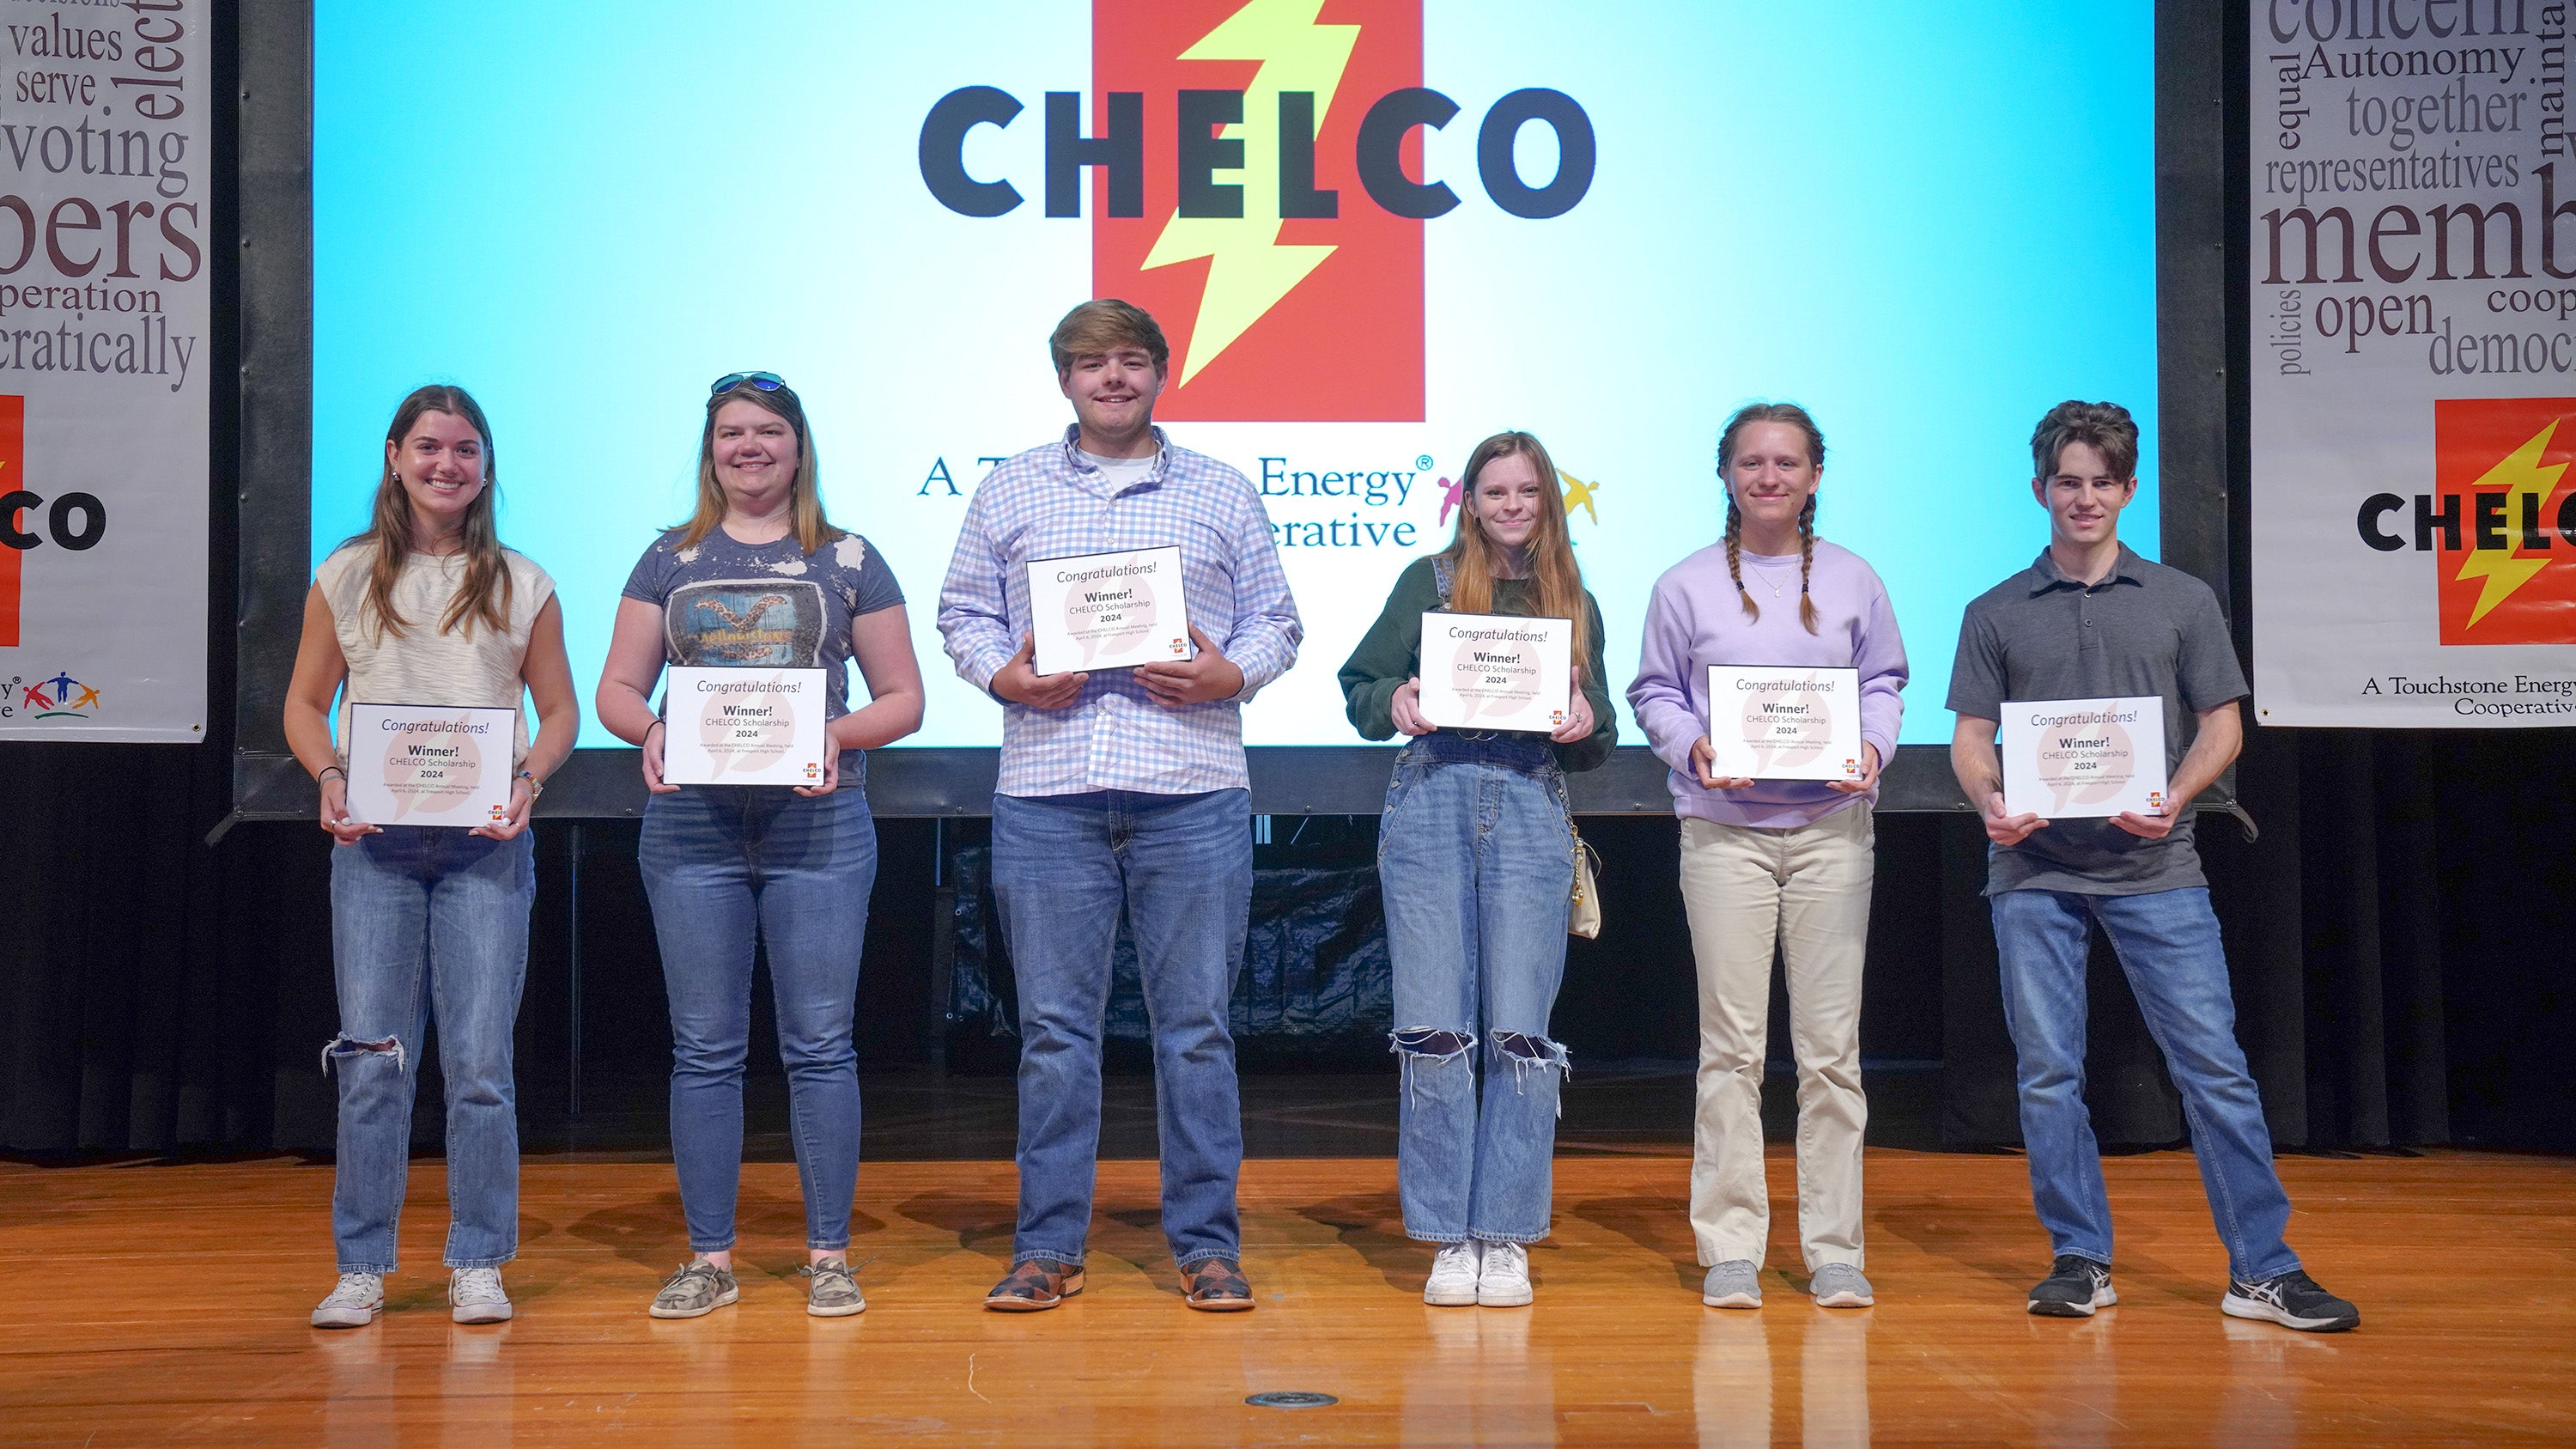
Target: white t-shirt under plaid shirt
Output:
{"points": [[1049, 503]]}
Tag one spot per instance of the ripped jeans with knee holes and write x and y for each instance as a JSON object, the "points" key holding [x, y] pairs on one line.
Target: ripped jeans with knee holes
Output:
{"points": [[427, 924], [1476, 866]]}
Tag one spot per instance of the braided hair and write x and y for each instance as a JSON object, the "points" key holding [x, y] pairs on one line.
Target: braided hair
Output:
{"points": [[1796, 417]]}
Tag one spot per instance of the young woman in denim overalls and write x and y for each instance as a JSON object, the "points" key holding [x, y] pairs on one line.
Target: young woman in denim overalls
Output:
{"points": [[1476, 860]]}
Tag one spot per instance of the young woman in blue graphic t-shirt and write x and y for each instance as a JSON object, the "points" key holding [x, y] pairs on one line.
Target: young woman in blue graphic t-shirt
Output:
{"points": [[757, 577]]}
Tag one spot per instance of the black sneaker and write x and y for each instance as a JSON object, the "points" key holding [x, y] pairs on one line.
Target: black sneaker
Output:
{"points": [[2292, 1300], [2073, 1289]]}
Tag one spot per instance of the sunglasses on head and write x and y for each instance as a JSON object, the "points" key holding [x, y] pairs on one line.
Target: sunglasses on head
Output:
{"points": [[765, 381]]}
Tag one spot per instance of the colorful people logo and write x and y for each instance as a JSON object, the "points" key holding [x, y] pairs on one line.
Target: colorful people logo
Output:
{"points": [[1578, 494], [61, 697]]}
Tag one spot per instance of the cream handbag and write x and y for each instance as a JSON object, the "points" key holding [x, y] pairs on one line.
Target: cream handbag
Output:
{"points": [[1584, 918]]}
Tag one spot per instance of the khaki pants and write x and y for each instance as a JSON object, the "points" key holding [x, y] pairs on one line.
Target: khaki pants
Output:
{"points": [[1807, 889]]}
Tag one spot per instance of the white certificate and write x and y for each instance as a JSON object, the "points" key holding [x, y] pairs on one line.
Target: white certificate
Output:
{"points": [[744, 726], [2074, 759], [1783, 722], [429, 764], [1108, 610], [1496, 671]]}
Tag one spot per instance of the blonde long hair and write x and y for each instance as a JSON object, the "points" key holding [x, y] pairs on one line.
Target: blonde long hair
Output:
{"points": [[1556, 581], [804, 491], [484, 595]]}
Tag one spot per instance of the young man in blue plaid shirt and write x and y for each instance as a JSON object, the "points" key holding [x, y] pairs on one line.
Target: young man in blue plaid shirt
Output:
{"points": [[1122, 790]]}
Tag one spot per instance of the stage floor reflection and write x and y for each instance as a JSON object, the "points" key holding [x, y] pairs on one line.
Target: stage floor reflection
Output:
{"points": [[164, 1304]]}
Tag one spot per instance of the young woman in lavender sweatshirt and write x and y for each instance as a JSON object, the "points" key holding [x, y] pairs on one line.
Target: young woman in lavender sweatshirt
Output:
{"points": [[1765, 862]]}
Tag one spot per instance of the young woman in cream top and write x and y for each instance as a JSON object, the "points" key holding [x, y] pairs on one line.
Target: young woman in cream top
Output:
{"points": [[426, 607]]}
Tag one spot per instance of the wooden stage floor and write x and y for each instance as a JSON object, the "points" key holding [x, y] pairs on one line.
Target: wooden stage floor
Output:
{"points": [[159, 1304]]}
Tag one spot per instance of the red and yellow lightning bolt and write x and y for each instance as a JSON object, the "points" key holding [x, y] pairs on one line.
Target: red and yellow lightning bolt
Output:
{"points": [[13, 468], [2504, 516], [1249, 269], [2520, 476], [1296, 319]]}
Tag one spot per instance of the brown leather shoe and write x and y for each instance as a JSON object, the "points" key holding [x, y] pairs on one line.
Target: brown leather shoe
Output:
{"points": [[1216, 1285], [1034, 1286]]}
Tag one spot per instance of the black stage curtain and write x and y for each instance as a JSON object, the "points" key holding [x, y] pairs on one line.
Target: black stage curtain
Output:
{"points": [[2399, 937]]}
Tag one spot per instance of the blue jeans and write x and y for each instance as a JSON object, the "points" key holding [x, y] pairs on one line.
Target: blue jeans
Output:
{"points": [[727, 867], [1476, 862], [2168, 944], [1180, 866], [423, 920]]}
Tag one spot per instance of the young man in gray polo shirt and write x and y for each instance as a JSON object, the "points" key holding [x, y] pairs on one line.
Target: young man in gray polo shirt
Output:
{"points": [[2092, 620]]}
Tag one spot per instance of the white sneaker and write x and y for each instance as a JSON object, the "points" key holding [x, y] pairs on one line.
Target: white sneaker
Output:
{"points": [[1454, 1274], [476, 1295], [354, 1303], [1505, 1280]]}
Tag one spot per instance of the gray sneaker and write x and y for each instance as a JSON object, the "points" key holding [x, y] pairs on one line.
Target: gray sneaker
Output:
{"points": [[1735, 1283], [475, 1296], [835, 1293], [698, 1289], [354, 1303], [1840, 1285]]}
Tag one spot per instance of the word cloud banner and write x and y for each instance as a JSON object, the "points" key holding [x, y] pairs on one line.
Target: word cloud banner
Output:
{"points": [[2414, 353], [103, 308], [104, 369]]}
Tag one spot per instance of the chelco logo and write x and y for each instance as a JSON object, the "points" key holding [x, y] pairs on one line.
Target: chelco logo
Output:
{"points": [[1283, 221]]}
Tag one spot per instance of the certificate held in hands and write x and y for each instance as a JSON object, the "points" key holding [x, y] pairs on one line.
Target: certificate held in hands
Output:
{"points": [[1776, 722], [744, 727], [2078, 759], [428, 764], [1108, 610], [1496, 671]]}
